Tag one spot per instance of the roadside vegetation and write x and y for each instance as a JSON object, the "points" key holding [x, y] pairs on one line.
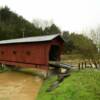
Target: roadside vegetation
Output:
{"points": [[81, 85]]}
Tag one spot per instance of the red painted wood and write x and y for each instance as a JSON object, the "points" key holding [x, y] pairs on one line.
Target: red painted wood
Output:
{"points": [[24, 54]]}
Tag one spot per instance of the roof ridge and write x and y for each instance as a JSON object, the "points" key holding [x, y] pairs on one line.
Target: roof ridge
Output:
{"points": [[30, 39]]}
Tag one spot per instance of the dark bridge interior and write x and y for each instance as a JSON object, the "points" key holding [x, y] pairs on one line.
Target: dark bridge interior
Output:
{"points": [[54, 53]]}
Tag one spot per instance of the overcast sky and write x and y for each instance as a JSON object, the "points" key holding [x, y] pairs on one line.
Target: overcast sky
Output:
{"points": [[72, 15]]}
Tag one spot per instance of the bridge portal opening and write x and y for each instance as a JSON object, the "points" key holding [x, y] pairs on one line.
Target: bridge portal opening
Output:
{"points": [[54, 53]]}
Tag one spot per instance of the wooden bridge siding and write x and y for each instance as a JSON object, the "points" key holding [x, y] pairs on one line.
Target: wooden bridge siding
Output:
{"points": [[38, 54]]}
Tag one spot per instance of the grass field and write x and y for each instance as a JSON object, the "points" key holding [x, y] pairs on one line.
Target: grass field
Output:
{"points": [[81, 85]]}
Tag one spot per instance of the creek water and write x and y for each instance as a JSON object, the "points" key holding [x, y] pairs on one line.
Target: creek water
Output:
{"points": [[19, 86]]}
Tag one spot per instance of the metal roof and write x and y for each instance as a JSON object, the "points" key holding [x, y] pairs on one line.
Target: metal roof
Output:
{"points": [[30, 39]]}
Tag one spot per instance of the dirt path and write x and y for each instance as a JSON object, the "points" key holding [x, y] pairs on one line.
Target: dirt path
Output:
{"points": [[18, 86]]}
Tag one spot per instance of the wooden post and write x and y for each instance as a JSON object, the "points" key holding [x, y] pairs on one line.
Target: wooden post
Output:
{"points": [[82, 65], [79, 66], [98, 63], [90, 64], [2, 66], [85, 64]]}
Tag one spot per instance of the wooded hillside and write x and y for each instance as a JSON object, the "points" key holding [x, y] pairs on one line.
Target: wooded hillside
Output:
{"points": [[15, 26]]}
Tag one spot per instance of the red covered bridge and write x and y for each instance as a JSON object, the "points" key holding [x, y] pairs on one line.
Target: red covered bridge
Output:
{"points": [[31, 51]]}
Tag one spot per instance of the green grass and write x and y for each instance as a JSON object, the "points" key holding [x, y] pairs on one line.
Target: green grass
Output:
{"points": [[81, 85], [4, 69]]}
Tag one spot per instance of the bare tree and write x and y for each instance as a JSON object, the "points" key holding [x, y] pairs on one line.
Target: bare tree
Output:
{"points": [[40, 23], [95, 36]]}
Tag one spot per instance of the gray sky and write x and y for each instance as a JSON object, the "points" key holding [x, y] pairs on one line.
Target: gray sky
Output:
{"points": [[72, 15]]}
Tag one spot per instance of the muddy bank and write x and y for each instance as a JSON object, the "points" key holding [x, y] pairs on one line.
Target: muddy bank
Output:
{"points": [[19, 86]]}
